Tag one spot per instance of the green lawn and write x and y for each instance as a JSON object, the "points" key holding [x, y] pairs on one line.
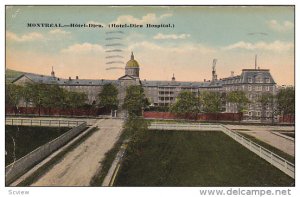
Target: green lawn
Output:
{"points": [[290, 134], [27, 139], [183, 158]]}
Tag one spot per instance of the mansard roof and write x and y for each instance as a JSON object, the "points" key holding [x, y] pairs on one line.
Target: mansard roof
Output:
{"points": [[253, 73]]}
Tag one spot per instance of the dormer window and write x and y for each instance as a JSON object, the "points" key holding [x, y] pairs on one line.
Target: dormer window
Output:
{"points": [[249, 80], [268, 80]]}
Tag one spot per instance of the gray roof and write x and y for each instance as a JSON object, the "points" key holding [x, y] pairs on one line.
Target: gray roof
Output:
{"points": [[243, 78], [253, 73], [60, 81]]}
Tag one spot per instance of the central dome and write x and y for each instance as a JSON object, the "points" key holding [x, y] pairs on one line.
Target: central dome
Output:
{"points": [[132, 62]]}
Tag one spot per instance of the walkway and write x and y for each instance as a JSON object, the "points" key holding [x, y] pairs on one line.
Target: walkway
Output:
{"points": [[78, 166], [264, 133]]}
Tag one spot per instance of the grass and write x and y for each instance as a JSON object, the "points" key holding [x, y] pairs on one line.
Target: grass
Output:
{"points": [[48, 165], [289, 134], [27, 138], [269, 147], [182, 158]]}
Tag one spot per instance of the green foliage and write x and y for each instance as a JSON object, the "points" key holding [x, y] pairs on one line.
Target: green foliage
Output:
{"points": [[13, 94], [108, 97], [135, 100], [187, 104], [43, 95], [136, 128], [286, 101], [266, 99], [75, 99], [239, 98], [211, 102]]}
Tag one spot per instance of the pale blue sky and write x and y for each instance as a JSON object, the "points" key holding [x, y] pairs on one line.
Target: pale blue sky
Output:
{"points": [[231, 34]]}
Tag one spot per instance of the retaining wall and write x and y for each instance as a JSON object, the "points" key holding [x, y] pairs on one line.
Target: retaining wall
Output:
{"points": [[19, 167]]}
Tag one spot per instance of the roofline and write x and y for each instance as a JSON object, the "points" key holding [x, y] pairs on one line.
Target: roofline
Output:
{"points": [[247, 69], [23, 75]]}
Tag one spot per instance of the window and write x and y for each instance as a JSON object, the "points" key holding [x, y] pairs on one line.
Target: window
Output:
{"points": [[268, 80], [258, 80], [250, 113], [267, 88], [249, 88], [259, 88], [258, 113], [249, 80]]}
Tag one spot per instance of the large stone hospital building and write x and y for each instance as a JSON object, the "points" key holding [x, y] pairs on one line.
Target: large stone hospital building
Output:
{"points": [[253, 82]]}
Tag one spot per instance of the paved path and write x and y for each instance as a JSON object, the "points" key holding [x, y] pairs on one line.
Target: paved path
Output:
{"points": [[264, 133], [78, 166]]}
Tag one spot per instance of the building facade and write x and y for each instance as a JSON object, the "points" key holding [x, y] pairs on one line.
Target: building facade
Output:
{"points": [[253, 82]]}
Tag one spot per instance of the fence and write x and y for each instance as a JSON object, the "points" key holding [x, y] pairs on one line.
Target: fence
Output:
{"points": [[201, 117], [44, 123], [274, 159], [51, 111], [19, 167]]}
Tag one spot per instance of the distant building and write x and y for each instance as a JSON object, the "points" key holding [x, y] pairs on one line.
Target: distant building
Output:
{"points": [[253, 82]]}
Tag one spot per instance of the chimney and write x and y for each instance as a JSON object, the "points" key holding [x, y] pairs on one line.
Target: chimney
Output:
{"points": [[204, 80], [232, 73], [70, 79], [77, 78]]}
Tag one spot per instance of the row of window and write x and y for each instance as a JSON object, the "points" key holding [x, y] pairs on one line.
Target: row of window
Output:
{"points": [[258, 80], [259, 88], [258, 113]]}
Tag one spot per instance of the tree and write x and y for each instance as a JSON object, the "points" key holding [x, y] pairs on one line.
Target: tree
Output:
{"points": [[211, 102], [27, 94], [286, 101], [135, 100], [108, 97], [266, 99], [55, 97], [39, 95], [187, 104], [75, 100], [239, 98], [13, 95], [136, 128]]}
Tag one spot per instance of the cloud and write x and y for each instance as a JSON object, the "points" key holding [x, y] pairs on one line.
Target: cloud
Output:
{"points": [[59, 32], [161, 36], [280, 27], [83, 48], [277, 46], [32, 36], [149, 18], [182, 49]]}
